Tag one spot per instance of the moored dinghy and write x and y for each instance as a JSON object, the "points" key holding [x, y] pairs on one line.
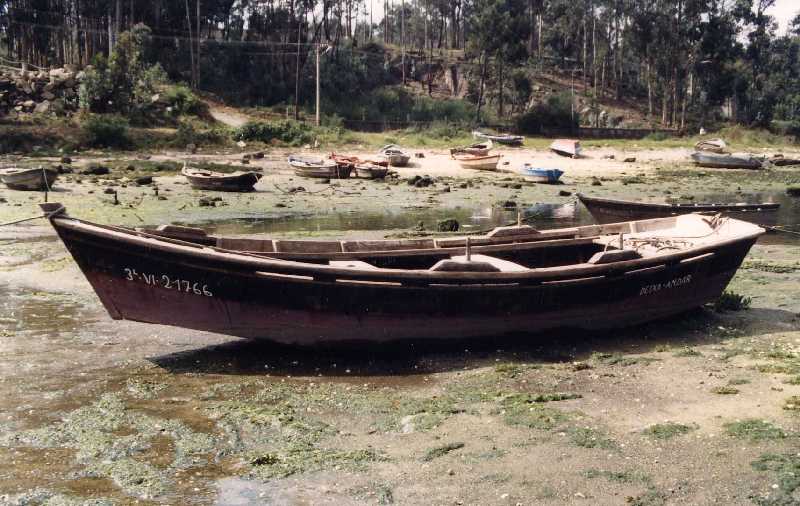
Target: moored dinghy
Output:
{"points": [[734, 161], [507, 139], [566, 147], [540, 175], [611, 210], [477, 149], [475, 162], [28, 179], [319, 168], [393, 155], [306, 292], [238, 181]]}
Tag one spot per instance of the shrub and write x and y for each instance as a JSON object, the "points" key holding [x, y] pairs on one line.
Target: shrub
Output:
{"points": [[731, 301], [288, 132], [110, 131], [182, 101], [188, 134], [555, 112]]}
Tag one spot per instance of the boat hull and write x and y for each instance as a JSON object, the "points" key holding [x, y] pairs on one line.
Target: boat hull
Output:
{"points": [[144, 280], [371, 171], [613, 211], [334, 172], [29, 180], [478, 162], [715, 161], [233, 183], [546, 176]]}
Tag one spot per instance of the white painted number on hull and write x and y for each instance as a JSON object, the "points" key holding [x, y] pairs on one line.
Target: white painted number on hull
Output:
{"points": [[673, 283], [164, 281]]}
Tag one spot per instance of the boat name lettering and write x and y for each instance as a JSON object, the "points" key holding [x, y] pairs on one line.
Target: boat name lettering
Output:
{"points": [[673, 283], [164, 281]]}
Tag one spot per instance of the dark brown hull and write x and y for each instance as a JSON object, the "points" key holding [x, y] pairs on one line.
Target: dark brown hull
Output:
{"points": [[218, 292], [237, 183], [613, 211]]}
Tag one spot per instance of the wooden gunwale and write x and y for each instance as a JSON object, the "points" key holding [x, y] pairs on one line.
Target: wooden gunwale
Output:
{"points": [[221, 260], [624, 204]]}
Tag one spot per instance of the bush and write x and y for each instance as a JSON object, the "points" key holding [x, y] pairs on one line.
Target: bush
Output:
{"points": [[188, 134], [292, 133], [555, 112], [183, 102], [106, 131]]}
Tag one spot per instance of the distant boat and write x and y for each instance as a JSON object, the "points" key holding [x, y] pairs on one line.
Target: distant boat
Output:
{"points": [[238, 181], [711, 146], [28, 179], [370, 170], [477, 149], [541, 175], [566, 147], [474, 162], [612, 210], [734, 161], [393, 155], [319, 168], [507, 139]]}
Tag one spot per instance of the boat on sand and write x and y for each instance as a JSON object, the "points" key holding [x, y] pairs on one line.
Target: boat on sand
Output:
{"points": [[36, 179], [239, 181], [477, 149], [476, 162], [512, 280], [734, 161], [566, 147], [507, 139], [540, 175], [319, 168], [393, 155]]}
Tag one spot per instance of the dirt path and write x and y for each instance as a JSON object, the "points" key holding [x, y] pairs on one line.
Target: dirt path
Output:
{"points": [[226, 115]]}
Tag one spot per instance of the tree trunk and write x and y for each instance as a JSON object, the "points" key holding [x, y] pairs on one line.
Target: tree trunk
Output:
{"points": [[480, 88]]}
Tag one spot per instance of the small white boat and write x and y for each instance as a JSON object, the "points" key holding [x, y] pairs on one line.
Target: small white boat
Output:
{"points": [[370, 170], [541, 175], [475, 162], [733, 161], [319, 168], [28, 179], [712, 145], [393, 155], [507, 139], [566, 147]]}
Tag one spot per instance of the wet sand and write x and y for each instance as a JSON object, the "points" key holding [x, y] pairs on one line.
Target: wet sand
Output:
{"points": [[696, 410]]}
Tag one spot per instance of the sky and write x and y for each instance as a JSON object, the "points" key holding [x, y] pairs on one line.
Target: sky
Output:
{"points": [[784, 11]]}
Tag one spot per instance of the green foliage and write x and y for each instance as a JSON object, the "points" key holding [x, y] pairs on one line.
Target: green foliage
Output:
{"points": [[754, 429], [725, 390], [287, 132], [667, 430], [106, 131], [441, 451], [731, 301], [786, 467], [555, 112], [182, 102], [187, 134], [586, 437]]}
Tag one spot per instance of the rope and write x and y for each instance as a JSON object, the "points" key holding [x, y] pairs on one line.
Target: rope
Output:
{"points": [[45, 215]]}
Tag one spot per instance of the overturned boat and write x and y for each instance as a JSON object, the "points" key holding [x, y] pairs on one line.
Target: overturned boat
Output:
{"points": [[734, 161], [611, 210], [28, 179], [514, 279], [570, 148], [239, 181]]}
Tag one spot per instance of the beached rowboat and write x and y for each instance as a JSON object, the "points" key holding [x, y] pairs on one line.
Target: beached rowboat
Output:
{"points": [[566, 147], [507, 139], [477, 149], [393, 155], [370, 170], [319, 168], [238, 181], [474, 162], [514, 279], [28, 179], [611, 210], [717, 161], [539, 175]]}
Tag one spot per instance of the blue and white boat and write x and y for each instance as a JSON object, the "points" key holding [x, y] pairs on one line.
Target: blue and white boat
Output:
{"points": [[541, 175]]}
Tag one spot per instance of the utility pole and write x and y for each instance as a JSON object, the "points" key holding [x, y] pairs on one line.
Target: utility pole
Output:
{"points": [[316, 117], [197, 60], [297, 77], [403, 38]]}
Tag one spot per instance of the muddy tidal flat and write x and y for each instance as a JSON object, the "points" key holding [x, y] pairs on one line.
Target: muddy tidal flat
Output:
{"points": [[700, 409]]}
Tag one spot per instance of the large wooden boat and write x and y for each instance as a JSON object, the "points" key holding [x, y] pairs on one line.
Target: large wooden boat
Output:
{"points": [[735, 161], [475, 162], [238, 181], [319, 168], [28, 179], [566, 147], [506, 139], [514, 279], [611, 210]]}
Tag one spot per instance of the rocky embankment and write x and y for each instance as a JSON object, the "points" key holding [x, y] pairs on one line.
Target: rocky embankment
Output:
{"points": [[39, 92]]}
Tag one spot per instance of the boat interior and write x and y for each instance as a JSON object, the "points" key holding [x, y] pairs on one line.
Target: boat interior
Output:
{"points": [[505, 249]]}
